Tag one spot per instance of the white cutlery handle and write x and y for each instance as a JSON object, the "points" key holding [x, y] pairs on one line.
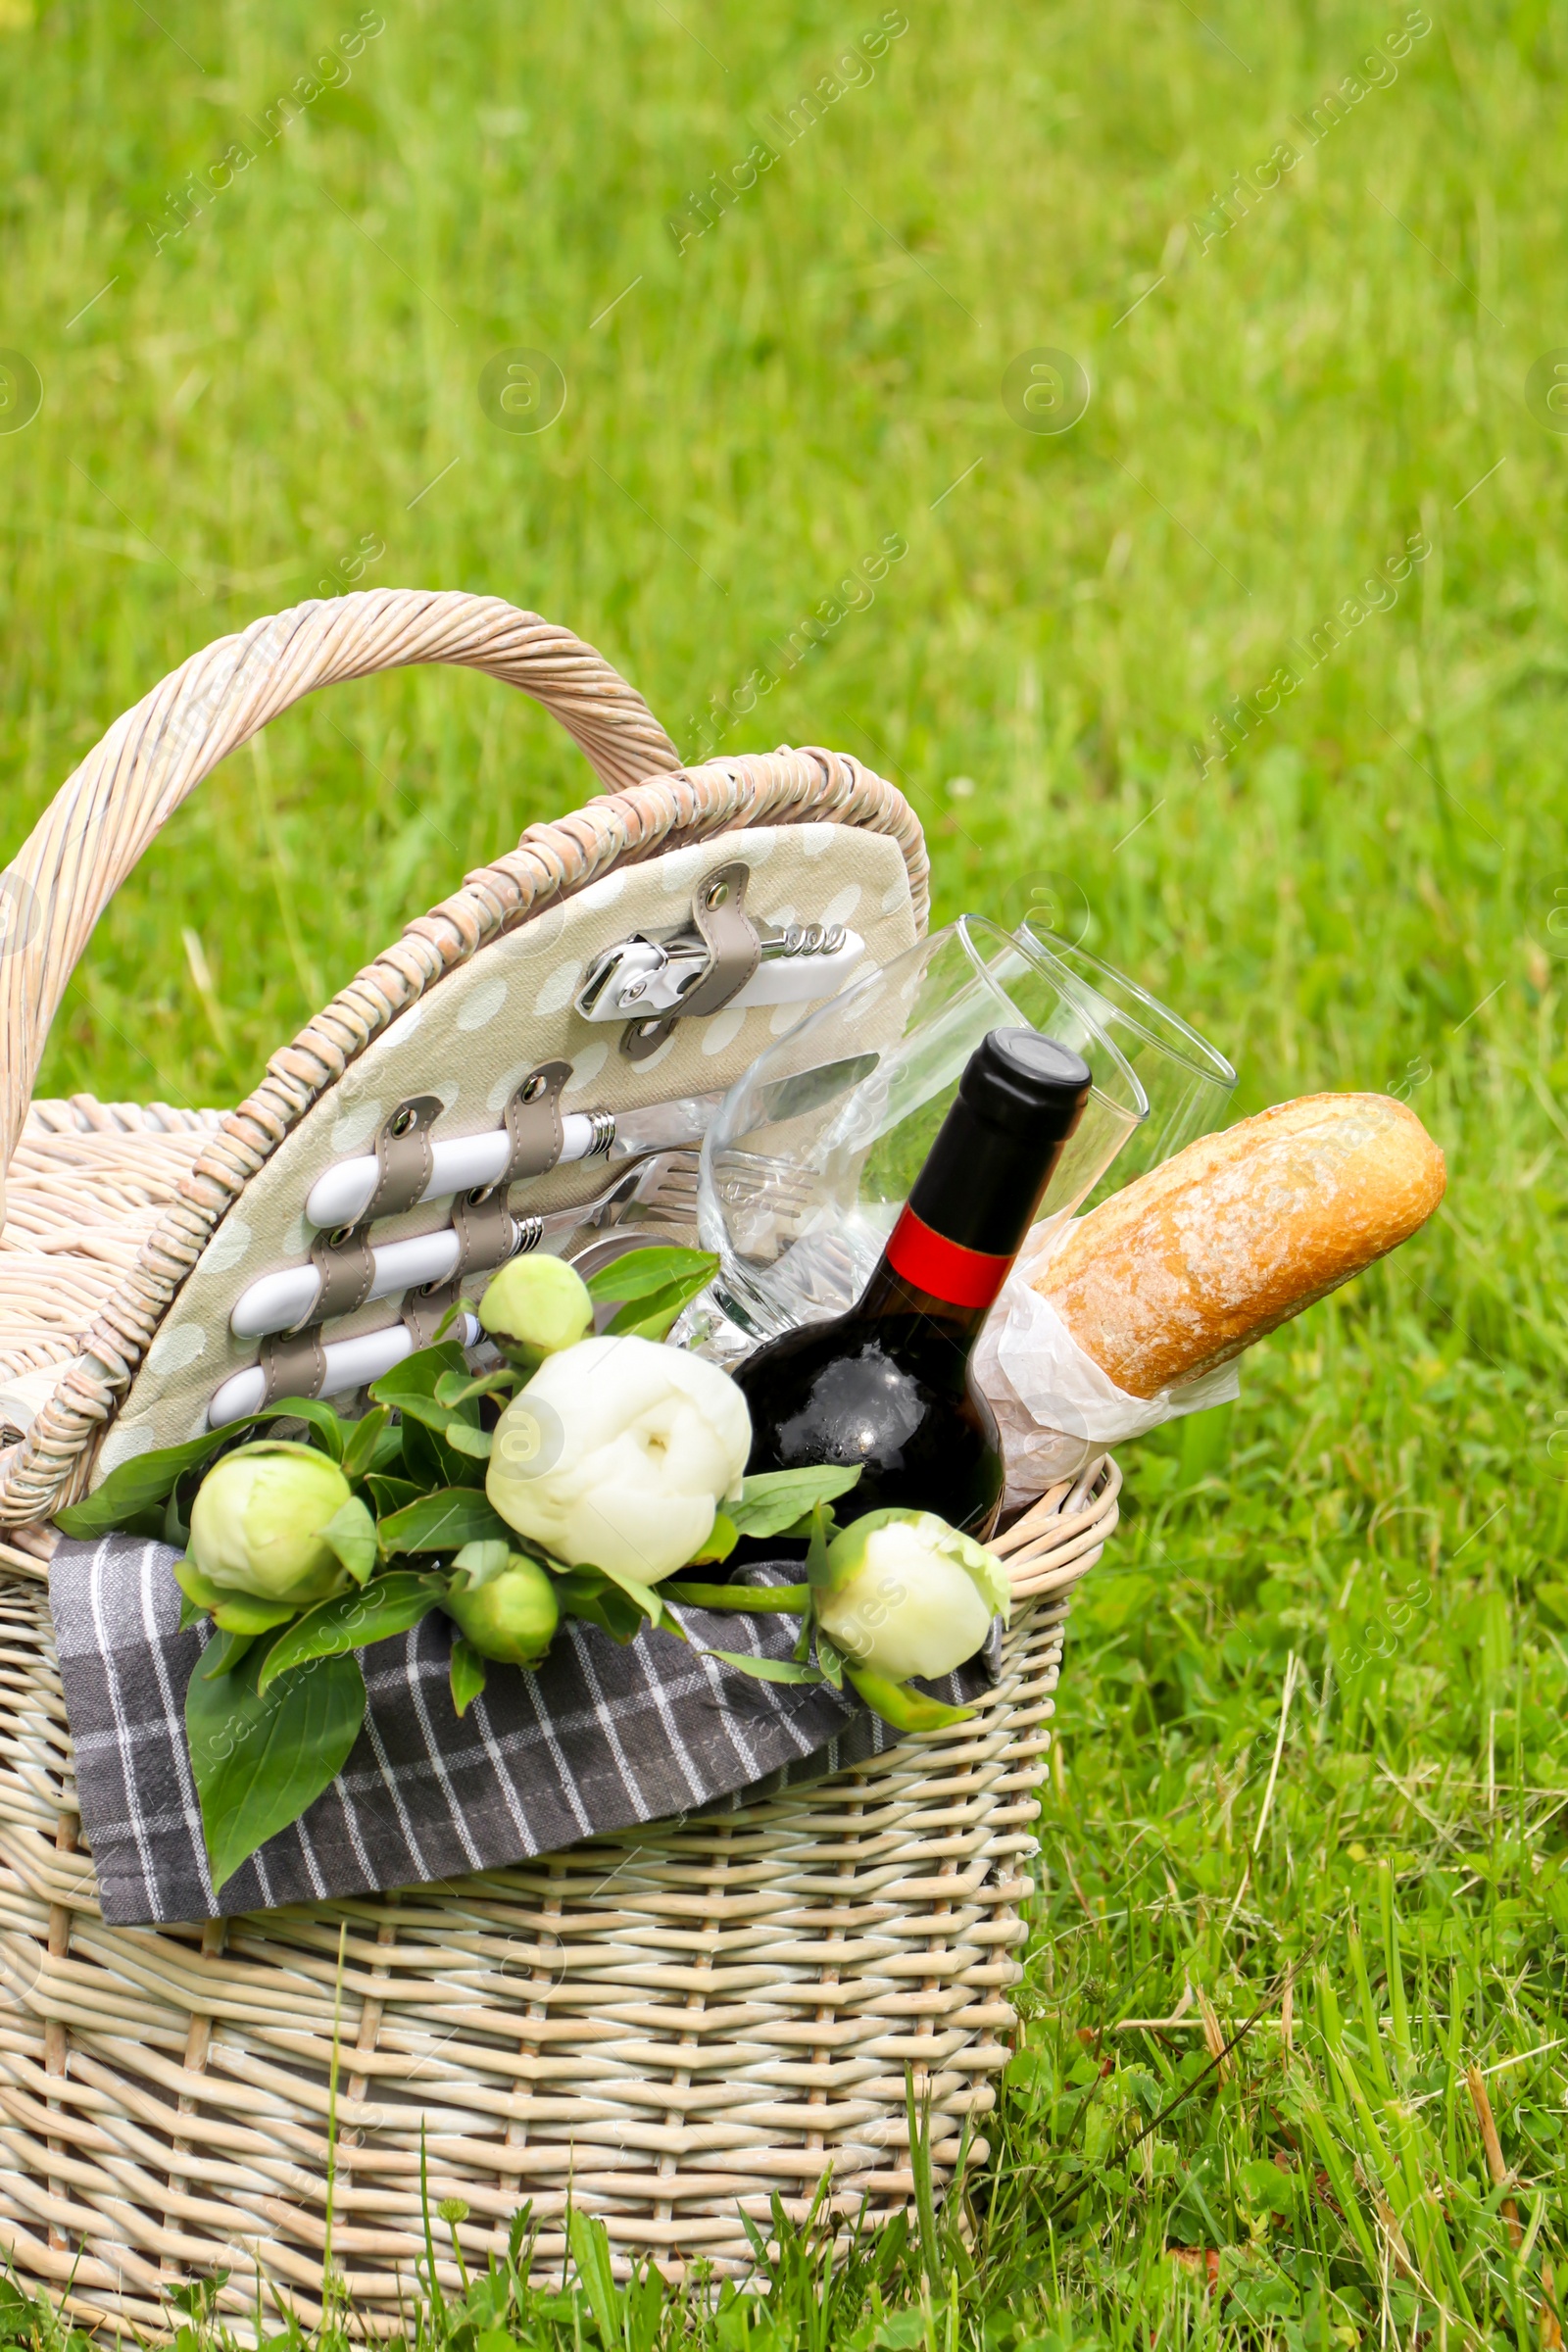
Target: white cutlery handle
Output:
{"points": [[350, 1364], [279, 1302], [342, 1195]]}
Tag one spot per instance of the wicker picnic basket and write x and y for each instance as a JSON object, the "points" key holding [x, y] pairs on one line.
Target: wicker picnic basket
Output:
{"points": [[667, 2026]]}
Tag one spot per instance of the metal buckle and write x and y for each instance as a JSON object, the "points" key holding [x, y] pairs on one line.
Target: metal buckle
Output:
{"points": [[651, 982]]}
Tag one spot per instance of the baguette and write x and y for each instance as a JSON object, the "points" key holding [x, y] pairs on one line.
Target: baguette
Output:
{"points": [[1195, 1260]]}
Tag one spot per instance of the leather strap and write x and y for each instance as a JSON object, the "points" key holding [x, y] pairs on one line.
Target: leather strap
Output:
{"points": [[403, 1157], [533, 1122], [486, 1231], [293, 1364], [734, 951], [424, 1312], [347, 1269]]}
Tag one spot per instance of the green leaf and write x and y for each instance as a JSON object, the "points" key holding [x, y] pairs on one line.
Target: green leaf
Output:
{"points": [[430, 1461], [459, 1306], [752, 1600], [243, 1613], [442, 1522], [241, 1643], [387, 1460], [831, 1659], [151, 1478], [327, 1424], [483, 1560], [476, 1443], [153, 1523], [199, 1590], [391, 1495], [466, 1673], [584, 1592], [175, 1528], [426, 1412], [350, 1532], [905, 1709], [590, 2251], [359, 1454], [260, 1758], [800, 1530], [389, 1604], [410, 1386], [417, 1374], [650, 1317], [765, 1670], [145, 1479], [647, 1600], [641, 1272], [221, 1656], [231, 1612], [449, 1388], [722, 1537], [774, 1500], [817, 1574]]}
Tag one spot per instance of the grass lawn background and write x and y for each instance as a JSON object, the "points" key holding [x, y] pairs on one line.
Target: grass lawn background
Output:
{"points": [[255, 379]]}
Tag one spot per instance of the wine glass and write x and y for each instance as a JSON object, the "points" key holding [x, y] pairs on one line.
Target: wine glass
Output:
{"points": [[1187, 1082], [814, 1149]]}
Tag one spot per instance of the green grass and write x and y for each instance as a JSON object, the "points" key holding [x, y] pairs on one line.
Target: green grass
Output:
{"points": [[1358, 896]]}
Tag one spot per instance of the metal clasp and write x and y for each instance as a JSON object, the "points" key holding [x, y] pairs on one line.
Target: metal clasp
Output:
{"points": [[651, 984], [719, 955]]}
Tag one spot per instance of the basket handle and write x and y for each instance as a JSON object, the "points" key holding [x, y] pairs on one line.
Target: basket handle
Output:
{"points": [[110, 807]]}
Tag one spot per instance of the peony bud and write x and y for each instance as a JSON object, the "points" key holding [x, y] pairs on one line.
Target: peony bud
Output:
{"points": [[907, 1593], [504, 1604], [536, 1306], [644, 1445], [257, 1523]]}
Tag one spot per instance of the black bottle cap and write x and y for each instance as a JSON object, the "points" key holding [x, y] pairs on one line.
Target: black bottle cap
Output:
{"points": [[1020, 1099], [1026, 1084]]}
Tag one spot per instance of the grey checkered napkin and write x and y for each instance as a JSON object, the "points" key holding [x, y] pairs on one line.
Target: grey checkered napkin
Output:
{"points": [[600, 1739]]}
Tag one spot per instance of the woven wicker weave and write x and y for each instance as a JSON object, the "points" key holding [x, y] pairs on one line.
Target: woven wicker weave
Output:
{"points": [[668, 2031]]}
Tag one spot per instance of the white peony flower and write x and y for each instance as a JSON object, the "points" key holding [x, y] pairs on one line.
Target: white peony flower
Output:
{"points": [[617, 1454], [256, 1523], [906, 1595]]}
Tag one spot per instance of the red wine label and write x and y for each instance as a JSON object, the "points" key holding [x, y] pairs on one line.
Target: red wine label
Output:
{"points": [[946, 1269]]}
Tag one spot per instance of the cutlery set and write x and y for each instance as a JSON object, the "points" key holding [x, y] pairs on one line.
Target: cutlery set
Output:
{"points": [[656, 1185]]}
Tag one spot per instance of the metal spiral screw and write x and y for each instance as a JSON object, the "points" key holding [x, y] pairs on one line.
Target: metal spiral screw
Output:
{"points": [[811, 939]]}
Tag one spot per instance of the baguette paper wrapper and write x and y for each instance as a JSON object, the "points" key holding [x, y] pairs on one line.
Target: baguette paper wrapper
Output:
{"points": [[1056, 1409]]}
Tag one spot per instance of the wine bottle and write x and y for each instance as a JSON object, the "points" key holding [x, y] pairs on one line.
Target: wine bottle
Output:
{"points": [[889, 1385]]}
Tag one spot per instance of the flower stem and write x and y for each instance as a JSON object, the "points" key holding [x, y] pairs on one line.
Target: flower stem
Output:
{"points": [[756, 1600]]}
